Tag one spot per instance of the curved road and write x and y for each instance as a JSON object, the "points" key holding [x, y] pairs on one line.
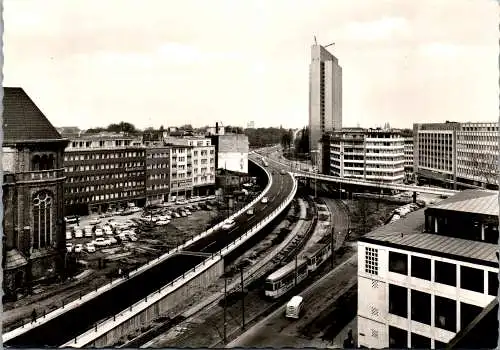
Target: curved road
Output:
{"points": [[80, 318]]}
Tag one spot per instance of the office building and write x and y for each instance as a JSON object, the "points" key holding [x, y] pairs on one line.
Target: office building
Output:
{"points": [[426, 277], [104, 172], [325, 95], [33, 179], [157, 174], [408, 151], [367, 154], [458, 155]]}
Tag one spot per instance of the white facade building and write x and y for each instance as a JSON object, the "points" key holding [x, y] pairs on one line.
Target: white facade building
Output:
{"points": [[202, 159], [181, 172], [368, 154], [458, 154], [419, 289], [232, 152]]}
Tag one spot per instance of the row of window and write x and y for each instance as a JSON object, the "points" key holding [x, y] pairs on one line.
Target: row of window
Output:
{"points": [[93, 198], [158, 176], [445, 273], [445, 309], [103, 187], [93, 156], [398, 339], [77, 179], [157, 187], [158, 155], [157, 166], [104, 166]]}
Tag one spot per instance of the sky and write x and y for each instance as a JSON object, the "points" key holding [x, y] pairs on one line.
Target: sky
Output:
{"points": [[90, 63]]}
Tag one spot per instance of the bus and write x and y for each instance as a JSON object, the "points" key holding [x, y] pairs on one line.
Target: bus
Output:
{"points": [[294, 307]]}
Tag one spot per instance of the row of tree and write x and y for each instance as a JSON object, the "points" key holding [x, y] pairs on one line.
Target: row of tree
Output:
{"points": [[262, 137]]}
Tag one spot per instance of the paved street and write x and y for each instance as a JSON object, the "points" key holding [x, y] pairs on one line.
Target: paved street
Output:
{"points": [[277, 331]]}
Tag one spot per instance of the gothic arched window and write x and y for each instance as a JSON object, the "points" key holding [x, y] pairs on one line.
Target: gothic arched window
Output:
{"points": [[42, 220], [35, 163]]}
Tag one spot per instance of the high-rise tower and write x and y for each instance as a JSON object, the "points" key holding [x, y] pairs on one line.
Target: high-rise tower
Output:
{"points": [[325, 94]]}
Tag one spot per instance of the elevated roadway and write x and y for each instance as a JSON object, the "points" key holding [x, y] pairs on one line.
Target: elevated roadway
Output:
{"points": [[287, 165], [82, 316]]}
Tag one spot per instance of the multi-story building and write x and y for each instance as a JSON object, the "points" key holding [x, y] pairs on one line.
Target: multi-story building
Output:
{"points": [[157, 174], [408, 151], [103, 171], [456, 154], [425, 277], [368, 154], [325, 95], [181, 172], [33, 180], [477, 154], [231, 152], [203, 161]]}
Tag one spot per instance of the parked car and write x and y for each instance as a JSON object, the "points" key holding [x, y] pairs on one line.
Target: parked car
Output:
{"points": [[87, 231], [132, 237], [69, 235], [162, 222], [69, 247], [183, 213], [95, 221], [176, 214], [98, 232], [188, 212], [78, 233], [90, 247], [113, 240], [100, 242], [78, 248]]}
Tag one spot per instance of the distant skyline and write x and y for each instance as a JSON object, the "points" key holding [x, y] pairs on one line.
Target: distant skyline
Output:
{"points": [[159, 62]]}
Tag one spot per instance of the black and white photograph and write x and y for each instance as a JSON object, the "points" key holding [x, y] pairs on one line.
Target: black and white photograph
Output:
{"points": [[250, 174]]}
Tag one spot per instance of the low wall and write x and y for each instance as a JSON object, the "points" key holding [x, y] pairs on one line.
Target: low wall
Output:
{"points": [[198, 282]]}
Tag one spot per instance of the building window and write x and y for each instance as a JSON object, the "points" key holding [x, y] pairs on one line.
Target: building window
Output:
{"points": [[446, 273], [420, 342], [398, 338], [472, 279], [446, 314], [492, 283], [398, 263], [371, 261], [468, 313], [421, 307], [421, 268], [398, 297], [42, 220]]}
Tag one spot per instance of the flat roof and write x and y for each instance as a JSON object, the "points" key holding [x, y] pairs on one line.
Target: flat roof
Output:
{"points": [[407, 233], [283, 271], [475, 201]]}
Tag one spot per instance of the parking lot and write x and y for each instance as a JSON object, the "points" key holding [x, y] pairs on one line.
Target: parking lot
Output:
{"points": [[95, 269]]}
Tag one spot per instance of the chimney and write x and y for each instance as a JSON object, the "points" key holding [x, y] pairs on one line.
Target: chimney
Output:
{"points": [[217, 128]]}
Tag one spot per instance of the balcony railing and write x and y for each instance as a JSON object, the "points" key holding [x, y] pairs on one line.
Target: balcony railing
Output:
{"points": [[39, 175]]}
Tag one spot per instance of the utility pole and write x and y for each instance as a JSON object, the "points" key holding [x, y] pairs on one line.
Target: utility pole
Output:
{"points": [[225, 308], [296, 269], [331, 243], [242, 300]]}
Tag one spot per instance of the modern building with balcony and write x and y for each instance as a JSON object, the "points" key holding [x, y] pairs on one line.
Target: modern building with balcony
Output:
{"points": [[33, 180], [104, 172], [367, 154], [425, 278], [458, 155], [203, 161]]}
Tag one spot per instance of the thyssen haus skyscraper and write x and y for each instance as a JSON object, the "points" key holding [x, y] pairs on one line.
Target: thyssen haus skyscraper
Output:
{"points": [[325, 94]]}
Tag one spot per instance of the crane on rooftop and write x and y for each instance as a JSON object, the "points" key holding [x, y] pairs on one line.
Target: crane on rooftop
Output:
{"points": [[316, 43]]}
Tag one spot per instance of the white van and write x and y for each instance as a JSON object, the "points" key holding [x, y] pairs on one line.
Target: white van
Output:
{"points": [[293, 307]]}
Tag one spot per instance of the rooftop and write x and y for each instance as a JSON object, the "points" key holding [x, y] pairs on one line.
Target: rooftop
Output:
{"points": [[20, 111], [407, 233], [476, 201]]}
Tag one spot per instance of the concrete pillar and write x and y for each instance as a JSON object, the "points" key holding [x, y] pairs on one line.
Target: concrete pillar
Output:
{"points": [[482, 232]]}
